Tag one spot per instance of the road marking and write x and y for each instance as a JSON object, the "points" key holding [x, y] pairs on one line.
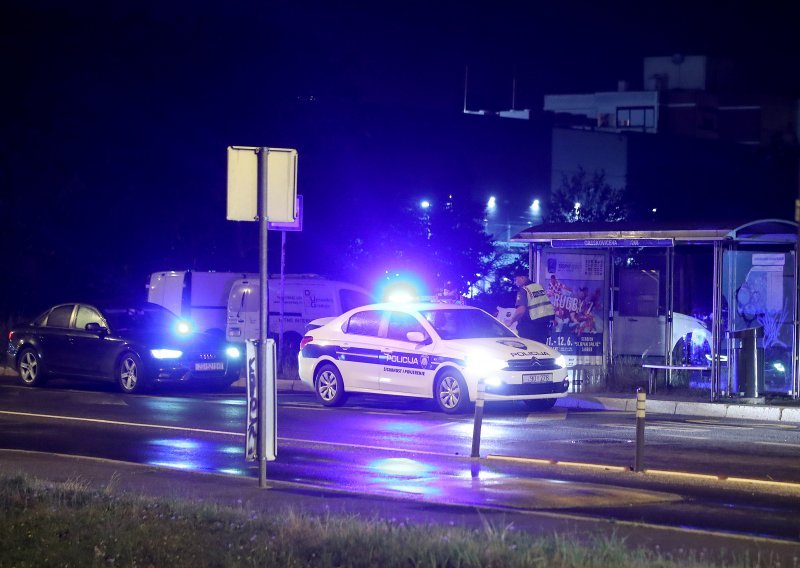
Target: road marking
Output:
{"points": [[749, 425], [534, 417], [301, 406], [581, 412], [653, 472], [658, 427], [539, 461], [684, 437], [119, 423], [782, 444], [222, 433]]}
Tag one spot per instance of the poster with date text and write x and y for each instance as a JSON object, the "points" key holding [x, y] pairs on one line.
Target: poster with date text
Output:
{"points": [[576, 286]]}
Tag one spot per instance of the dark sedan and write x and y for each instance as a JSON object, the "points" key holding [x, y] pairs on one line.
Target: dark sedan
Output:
{"points": [[134, 346]]}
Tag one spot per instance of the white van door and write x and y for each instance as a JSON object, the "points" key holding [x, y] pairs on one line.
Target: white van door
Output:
{"points": [[166, 289], [243, 305]]}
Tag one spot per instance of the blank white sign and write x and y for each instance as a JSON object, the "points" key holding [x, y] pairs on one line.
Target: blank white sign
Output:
{"points": [[243, 184]]}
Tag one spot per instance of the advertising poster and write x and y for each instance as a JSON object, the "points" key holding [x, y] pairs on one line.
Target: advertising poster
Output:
{"points": [[576, 286]]}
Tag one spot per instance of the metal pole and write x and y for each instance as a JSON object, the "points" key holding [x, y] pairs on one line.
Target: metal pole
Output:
{"points": [[796, 327], [670, 311], [283, 302], [533, 268], [476, 429], [611, 307], [263, 319], [716, 324], [640, 406]]}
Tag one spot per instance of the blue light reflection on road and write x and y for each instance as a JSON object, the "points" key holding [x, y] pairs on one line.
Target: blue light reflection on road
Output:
{"points": [[177, 443], [403, 475], [400, 467], [190, 454], [403, 427]]}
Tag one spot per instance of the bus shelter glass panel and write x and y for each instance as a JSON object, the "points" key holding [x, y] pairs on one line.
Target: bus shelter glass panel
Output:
{"points": [[643, 298], [639, 304], [758, 292]]}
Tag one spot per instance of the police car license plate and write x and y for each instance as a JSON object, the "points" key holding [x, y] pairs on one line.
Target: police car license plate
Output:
{"points": [[216, 366], [537, 378]]}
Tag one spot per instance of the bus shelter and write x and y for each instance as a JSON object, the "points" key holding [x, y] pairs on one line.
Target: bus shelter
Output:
{"points": [[677, 293]]}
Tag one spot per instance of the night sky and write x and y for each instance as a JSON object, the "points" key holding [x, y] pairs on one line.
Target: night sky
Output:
{"points": [[117, 116]]}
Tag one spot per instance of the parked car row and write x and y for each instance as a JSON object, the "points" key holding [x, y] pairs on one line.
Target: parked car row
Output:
{"points": [[443, 352]]}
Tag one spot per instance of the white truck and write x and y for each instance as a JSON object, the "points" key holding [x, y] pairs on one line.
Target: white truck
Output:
{"points": [[306, 297], [227, 303], [200, 297]]}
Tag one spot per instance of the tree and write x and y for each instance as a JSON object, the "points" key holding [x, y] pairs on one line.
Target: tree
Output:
{"points": [[446, 246], [598, 200]]}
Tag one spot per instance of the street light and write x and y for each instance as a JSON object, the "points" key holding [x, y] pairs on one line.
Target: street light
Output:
{"points": [[424, 203], [535, 206], [492, 203]]}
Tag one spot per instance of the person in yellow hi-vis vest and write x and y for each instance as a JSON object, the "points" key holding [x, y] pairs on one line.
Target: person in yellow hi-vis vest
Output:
{"points": [[534, 313]]}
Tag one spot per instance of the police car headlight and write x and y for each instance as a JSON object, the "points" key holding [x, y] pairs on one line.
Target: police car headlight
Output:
{"points": [[233, 352], [183, 327], [561, 361], [166, 353], [485, 364]]}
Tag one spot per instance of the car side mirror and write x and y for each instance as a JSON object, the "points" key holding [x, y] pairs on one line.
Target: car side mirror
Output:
{"points": [[416, 337], [96, 328]]}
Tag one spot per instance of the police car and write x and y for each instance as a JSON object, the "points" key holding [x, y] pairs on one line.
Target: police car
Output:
{"points": [[439, 351]]}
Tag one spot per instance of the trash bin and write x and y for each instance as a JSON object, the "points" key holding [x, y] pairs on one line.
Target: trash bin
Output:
{"points": [[746, 362]]}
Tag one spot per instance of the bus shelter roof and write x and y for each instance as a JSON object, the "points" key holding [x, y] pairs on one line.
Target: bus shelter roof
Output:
{"points": [[658, 233]]}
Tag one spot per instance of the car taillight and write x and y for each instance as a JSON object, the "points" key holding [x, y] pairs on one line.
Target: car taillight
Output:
{"points": [[305, 341], [10, 335]]}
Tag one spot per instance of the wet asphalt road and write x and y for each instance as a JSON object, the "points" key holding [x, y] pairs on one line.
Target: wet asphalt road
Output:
{"points": [[397, 448]]}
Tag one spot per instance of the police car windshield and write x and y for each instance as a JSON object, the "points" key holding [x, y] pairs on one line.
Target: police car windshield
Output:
{"points": [[465, 324]]}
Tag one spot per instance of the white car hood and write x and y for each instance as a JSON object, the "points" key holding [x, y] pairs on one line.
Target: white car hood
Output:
{"points": [[502, 348]]}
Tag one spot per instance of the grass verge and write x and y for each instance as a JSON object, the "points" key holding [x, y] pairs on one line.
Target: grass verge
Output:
{"points": [[66, 524]]}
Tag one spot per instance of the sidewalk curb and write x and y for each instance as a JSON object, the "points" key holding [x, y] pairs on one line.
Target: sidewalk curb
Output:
{"points": [[763, 413]]}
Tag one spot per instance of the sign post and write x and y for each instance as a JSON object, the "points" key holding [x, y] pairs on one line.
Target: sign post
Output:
{"points": [[262, 185], [263, 313]]}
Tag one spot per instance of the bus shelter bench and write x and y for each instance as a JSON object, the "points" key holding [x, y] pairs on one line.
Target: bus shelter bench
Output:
{"points": [[653, 368]]}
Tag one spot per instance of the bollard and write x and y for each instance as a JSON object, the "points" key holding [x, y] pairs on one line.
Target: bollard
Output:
{"points": [[476, 430], [640, 406]]}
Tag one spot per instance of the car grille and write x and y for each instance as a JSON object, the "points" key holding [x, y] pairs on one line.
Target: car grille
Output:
{"points": [[532, 364], [204, 356]]}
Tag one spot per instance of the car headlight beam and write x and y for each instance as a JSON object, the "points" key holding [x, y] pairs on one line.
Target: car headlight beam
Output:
{"points": [[561, 361], [166, 353], [233, 352], [492, 381], [483, 363]]}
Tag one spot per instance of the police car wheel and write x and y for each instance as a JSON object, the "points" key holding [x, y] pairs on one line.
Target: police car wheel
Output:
{"points": [[328, 386], [450, 392], [540, 403]]}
